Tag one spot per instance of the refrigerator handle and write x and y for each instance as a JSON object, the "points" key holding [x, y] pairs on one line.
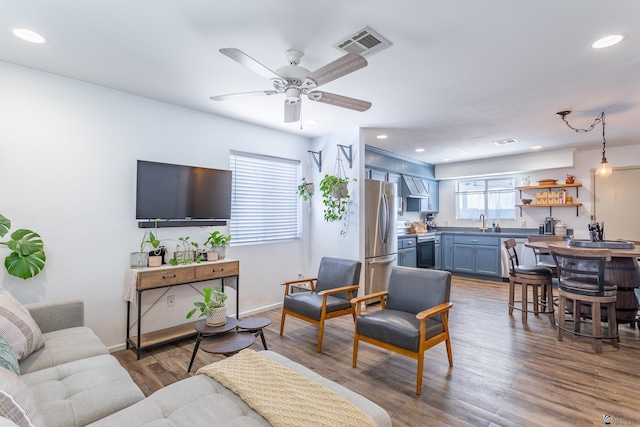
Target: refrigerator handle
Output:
{"points": [[384, 219], [387, 260]]}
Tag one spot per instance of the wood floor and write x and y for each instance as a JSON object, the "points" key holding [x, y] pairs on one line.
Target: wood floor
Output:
{"points": [[505, 373]]}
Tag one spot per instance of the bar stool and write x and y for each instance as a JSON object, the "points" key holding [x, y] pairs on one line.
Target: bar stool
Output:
{"points": [[581, 281], [529, 276]]}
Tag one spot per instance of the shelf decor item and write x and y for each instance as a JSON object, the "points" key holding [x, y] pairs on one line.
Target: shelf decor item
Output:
{"points": [[526, 181], [570, 179], [546, 182], [335, 196], [218, 243]]}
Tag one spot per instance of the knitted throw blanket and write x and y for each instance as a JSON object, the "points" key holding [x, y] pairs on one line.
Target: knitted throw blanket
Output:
{"points": [[282, 396]]}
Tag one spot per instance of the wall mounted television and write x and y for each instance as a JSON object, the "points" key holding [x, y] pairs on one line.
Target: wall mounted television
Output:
{"points": [[176, 192]]}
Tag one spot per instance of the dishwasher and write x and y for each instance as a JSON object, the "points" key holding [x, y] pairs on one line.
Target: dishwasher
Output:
{"points": [[525, 255]]}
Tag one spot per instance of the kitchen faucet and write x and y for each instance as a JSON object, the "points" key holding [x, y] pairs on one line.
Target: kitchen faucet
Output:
{"points": [[482, 225]]}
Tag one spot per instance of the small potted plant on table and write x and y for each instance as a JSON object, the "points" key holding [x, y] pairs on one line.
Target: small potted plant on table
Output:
{"points": [[213, 307], [218, 243]]}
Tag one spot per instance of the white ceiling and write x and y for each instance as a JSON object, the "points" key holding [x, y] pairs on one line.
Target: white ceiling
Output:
{"points": [[459, 75]]}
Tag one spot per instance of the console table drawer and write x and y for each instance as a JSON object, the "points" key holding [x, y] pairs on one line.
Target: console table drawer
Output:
{"points": [[164, 277], [214, 271]]}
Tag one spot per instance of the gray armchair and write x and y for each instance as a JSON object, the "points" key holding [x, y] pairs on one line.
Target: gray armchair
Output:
{"points": [[329, 295], [412, 318]]}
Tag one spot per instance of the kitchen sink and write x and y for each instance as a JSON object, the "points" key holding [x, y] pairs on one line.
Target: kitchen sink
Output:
{"points": [[607, 244]]}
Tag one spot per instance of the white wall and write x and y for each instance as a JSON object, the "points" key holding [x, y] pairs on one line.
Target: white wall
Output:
{"points": [[583, 167], [68, 154]]}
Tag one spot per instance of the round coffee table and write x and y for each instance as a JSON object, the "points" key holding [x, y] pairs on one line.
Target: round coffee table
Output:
{"points": [[255, 325], [205, 330]]}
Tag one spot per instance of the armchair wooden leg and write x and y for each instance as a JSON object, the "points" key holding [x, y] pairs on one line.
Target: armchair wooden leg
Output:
{"points": [[445, 323], [420, 368], [355, 351], [282, 322], [321, 333]]}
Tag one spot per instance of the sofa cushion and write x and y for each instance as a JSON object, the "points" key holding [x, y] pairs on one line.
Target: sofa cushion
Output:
{"points": [[83, 391], [18, 327], [17, 402], [63, 346]]}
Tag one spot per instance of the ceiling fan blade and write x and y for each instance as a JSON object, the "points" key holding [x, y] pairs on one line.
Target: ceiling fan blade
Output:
{"points": [[291, 111], [336, 69], [339, 100], [244, 59], [243, 95]]}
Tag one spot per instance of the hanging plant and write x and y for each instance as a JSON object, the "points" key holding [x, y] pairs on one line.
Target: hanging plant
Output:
{"points": [[305, 190], [335, 196]]}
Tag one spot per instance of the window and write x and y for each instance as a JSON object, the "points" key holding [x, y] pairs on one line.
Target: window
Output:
{"points": [[495, 198], [264, 200]]}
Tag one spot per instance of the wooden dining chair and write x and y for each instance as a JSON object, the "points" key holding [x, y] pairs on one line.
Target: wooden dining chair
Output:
{"points": [[582, 290]]}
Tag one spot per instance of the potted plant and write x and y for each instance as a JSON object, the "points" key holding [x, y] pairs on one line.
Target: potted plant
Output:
{"points": [[218, 243], [213, 307], [305, 189], [335, 197], [186, 252], [27, 255], [156, 255], [526, 181]]}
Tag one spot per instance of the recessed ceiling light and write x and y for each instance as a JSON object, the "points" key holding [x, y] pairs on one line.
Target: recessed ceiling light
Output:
{"points": [[419, 150], [607, 41], [506, 141], [311, 122], [28, 35], [382, 136], [536, 147], [446, 160]]}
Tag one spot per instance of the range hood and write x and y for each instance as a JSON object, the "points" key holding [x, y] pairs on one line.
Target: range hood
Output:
{"points": [[415, 187]]}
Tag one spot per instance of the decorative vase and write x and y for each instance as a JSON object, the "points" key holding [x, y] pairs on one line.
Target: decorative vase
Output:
{"points": [[138, 259], [570, 179], [221, 250], [217, 317], [212, 256], [526, 182]]}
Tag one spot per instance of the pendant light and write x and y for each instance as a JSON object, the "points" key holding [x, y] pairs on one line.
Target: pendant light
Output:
{"points": [[604, 170]]}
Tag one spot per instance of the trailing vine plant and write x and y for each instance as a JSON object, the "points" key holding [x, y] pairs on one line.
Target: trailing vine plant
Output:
{"points": [[336, 197]]}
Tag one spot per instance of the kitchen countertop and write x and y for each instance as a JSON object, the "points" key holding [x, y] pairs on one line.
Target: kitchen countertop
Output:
{"points": [[504, 233]]}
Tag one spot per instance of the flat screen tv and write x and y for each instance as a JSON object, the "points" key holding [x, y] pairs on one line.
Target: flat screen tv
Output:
{"points": [[168, 191]]}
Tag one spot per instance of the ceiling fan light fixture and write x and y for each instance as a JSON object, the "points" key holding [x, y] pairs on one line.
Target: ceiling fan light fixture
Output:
{"points": [[607, 41]]}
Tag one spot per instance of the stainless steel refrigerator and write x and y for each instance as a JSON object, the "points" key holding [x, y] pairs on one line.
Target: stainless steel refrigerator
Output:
{"points": [[381, 241]]}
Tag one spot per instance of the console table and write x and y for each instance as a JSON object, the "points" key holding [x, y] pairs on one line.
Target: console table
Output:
{"points": [[168, 276]]}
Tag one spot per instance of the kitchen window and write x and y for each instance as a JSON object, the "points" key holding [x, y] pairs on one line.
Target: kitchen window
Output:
{"points": [[495, 198], [264, 200]]}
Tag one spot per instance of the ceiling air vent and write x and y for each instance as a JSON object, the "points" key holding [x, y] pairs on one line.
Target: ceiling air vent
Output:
{"points": [[506, 141], [366, 42]]}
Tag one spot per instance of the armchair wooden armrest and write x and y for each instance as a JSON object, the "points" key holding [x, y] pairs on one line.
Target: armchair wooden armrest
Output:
{"points": [[376, 295], [310, 280], [438, 309], [338, 290]]}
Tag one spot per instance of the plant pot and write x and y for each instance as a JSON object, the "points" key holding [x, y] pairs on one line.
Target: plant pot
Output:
{"points": [[221, 250], [309, 188], [155, 260], [341, 191], [212, 256], [217, 317], [526, 183], [138, 259]]}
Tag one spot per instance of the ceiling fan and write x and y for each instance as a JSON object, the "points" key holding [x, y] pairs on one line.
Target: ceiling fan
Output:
{"points": [[294, 81]]}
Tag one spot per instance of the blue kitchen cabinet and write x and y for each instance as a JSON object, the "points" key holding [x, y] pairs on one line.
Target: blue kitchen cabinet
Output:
{"points": [[447, 252], [476, 255]]}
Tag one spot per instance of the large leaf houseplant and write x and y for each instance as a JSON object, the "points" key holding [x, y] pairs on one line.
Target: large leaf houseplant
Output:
{"points": [[27, 255]]}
